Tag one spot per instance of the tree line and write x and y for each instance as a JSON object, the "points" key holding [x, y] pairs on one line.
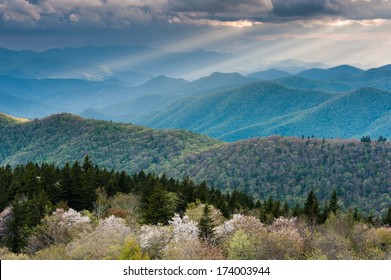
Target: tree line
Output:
{"points": [[30, 192]]}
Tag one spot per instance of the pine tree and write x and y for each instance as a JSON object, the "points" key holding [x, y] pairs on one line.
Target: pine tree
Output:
{"points": [[387, 218], [311, 208], [87, 188], [206, 225], [157, 208], [333, 203], [297, 210]]}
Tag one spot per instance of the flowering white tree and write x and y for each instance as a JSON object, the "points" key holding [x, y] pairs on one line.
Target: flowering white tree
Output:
{"points": [[183, 228], [287, 227], [105, 242], [60, 227], [153, 238], [249, 224]]}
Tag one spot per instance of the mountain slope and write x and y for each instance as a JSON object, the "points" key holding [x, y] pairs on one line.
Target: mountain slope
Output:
{"points": [[270, 74], [286, 168], [225, 111], [7, 119], [61, 95], [338, 72], [160, 92], [23, 107], [122, 146], [349, 115], [289, 168], [262, 109]]}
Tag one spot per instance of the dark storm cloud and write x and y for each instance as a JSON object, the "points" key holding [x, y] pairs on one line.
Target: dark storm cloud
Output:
{"points": [[299, 8], [347, 9], [121, 14], [241, 7]]}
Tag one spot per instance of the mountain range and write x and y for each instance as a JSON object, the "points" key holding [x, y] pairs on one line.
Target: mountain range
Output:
{"points": [[134, 64], [282, 167], [137, 85]]}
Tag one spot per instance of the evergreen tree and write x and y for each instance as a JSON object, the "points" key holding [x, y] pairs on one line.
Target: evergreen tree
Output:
{"points": [[366, 139], [382, 139], [66, 184], [157, 209], [206, 225], [26, 214], [87, 187], [333, 203], [311, 208], [285, 210], [5, 182], [387, 218], [297, 210]]}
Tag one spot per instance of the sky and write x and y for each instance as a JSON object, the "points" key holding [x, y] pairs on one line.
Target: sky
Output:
{"points": [[333, 32]]}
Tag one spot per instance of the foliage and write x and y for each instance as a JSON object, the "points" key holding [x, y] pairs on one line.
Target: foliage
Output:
{"points": [[154, 238], [132, 251], [285, 168], [29, 224], [60, 227], [241, 247], [105, 242], [184, 229], [206, 225], [5, 254], [195, 211]]}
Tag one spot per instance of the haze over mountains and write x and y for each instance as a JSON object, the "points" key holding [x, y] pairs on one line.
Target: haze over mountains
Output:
{"points": [[135, 84]]}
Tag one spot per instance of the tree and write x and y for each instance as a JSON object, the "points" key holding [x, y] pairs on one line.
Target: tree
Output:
{"points": [[387, 218], [87, 187], [382, 139], [26, 214], [132, 251], [333, 203], [366, 139], [297, 210], [206, 225], [240, 247], [157, 209], [311, 208]]}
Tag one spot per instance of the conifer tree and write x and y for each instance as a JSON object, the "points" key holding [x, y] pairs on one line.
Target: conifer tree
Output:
{"points": [[297, 210], [387, 218], [333, 203], [87, 187], [206, 225], [311, 208], [157, 208]]}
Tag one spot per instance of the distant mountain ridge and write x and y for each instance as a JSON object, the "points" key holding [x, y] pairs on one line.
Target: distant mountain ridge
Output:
{"points": [[266, 109], [134, 84], [92, 62]]}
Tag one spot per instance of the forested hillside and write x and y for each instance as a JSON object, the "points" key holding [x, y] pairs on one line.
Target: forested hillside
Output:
{"points": [[64, 137], [264, 109], [283, 167], [287, 168], [80, 211]]}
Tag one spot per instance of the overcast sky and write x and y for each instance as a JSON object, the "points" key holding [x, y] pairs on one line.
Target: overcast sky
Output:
{"points": [[329, 31]]}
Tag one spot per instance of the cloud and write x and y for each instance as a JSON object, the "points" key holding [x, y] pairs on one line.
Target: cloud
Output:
{"points": [[347, 9], [240, 7], [52, 14], [18, 11], [124, 14]]}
